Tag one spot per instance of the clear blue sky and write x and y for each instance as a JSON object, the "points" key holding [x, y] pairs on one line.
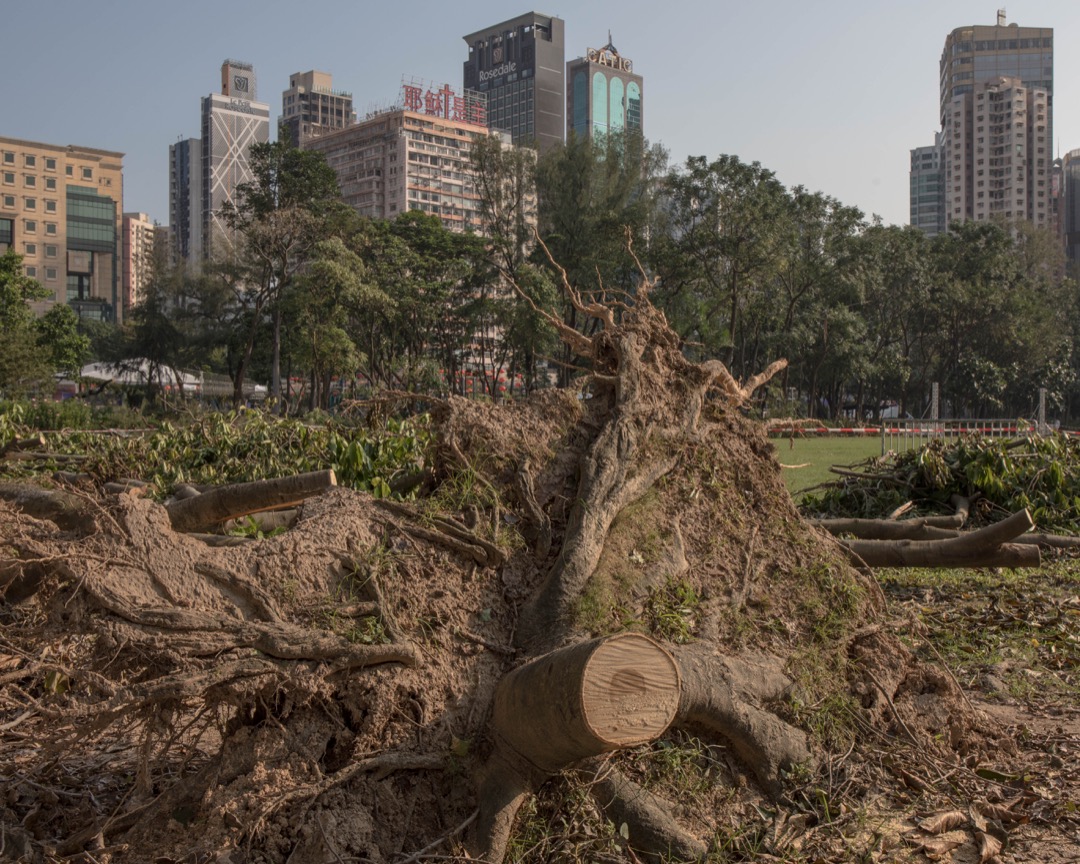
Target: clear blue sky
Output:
{"points": [[829, 94]]}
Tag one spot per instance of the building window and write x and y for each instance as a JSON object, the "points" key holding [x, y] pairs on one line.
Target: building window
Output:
{"points": [[50, 184], [29, 226], [50, 163], [30, 161], [9, 201], [30, 248], [50, 250], [69, 170], [30, 203], [50, 206], [31, 271], [9, 178], [87, 173], [50, 274], [29, 181], [50, 228], [9, 157]]}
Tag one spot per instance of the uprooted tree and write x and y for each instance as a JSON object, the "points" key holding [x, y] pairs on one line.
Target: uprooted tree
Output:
{"points": [[587, 572]]}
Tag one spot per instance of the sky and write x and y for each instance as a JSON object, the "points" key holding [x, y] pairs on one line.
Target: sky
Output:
{"points": [[829, 94]]}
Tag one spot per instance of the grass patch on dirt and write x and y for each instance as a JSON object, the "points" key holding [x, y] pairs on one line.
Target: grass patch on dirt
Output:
{"points": [[1008, 632], [816, 455]]}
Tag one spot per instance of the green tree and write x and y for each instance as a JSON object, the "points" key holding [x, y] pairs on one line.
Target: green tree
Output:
{"points": [[59, 338], [24, 366], [287, 208], [590, 191], [512, 331], [722, 244]]}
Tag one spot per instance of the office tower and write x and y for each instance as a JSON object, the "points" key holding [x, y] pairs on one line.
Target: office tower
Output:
{"points": [[927, 210], [139, 236], [603, 93], [403, 159], [519, 65], [60, 208], [185, 201], [311, 107], [996, 106], [232, 121], [1070, 198]]}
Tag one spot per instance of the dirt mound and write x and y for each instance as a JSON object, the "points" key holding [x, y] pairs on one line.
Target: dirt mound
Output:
{"points": [[327, 694]]}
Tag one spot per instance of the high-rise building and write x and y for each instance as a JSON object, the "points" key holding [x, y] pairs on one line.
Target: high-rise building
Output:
{"points": [[603, 93], [1070, 197], [139, 238], [61, 209], [185, 201], [996, 107], [204, 173], [402, 159], [231, 122], [927, 211], [311, 107], [520, 66]]}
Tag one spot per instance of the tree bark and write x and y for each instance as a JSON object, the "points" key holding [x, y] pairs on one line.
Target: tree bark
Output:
{"points": [[228, 502], [987, 547]]}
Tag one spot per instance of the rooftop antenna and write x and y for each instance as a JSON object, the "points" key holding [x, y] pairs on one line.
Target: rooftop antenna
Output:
{"points": [[1001, 17]]}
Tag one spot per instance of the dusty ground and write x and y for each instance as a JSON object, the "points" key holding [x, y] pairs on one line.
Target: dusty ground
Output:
{"points": [[322, 696]]}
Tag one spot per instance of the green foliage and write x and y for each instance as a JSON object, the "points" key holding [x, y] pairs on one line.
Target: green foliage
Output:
{"points": [[59, 340], [239, 447], [1039, 473], [24, 367]]}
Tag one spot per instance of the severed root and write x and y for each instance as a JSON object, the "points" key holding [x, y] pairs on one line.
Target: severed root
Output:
{"points": [[504, 785], [653, 830], [724, 696]]}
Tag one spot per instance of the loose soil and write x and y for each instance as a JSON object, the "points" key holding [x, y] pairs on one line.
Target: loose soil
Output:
{"points": [[325, 695]]}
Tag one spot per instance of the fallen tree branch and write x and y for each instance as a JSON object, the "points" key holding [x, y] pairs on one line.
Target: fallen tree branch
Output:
{"points": [[241, 499], [987, 547]]}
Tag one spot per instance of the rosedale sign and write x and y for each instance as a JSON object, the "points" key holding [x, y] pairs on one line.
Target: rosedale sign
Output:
{"points": [[607, 57], [498, 71]]}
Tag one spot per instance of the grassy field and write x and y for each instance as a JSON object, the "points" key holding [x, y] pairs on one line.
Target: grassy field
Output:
{"points": [[817, 454]]}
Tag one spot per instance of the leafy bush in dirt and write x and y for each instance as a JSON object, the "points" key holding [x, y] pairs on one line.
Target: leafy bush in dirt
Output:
{"points": [[1039, 473], [230, 448]]}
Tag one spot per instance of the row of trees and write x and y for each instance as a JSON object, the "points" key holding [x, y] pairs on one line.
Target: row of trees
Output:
{"points": [[748, 271]]}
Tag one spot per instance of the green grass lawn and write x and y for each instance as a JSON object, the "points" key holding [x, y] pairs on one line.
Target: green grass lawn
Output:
{"points": [[818, 454]]}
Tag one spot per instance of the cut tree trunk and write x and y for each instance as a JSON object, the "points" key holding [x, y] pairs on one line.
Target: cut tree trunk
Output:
{"points": [[564, 707], [587, 699], [987, 547], [242, 499]]}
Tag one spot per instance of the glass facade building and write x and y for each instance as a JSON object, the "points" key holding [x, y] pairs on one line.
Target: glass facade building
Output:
{"points": [[603, 94], [927, 189]]}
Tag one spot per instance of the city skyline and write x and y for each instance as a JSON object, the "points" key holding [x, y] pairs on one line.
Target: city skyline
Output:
{"points": [[832, 96]]}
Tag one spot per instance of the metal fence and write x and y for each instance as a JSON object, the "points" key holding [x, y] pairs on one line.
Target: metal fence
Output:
{"points": [[902, 435]]}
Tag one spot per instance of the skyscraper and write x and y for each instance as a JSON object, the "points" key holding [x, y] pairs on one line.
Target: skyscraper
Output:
{"points": [[311, 107], [519, 66], [1070, 196], [205, 172], [996, 107], [185, 200], [603, 93]]}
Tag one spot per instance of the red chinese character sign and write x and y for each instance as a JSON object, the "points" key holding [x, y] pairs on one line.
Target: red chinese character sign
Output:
{"points": [[445, 102]]}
